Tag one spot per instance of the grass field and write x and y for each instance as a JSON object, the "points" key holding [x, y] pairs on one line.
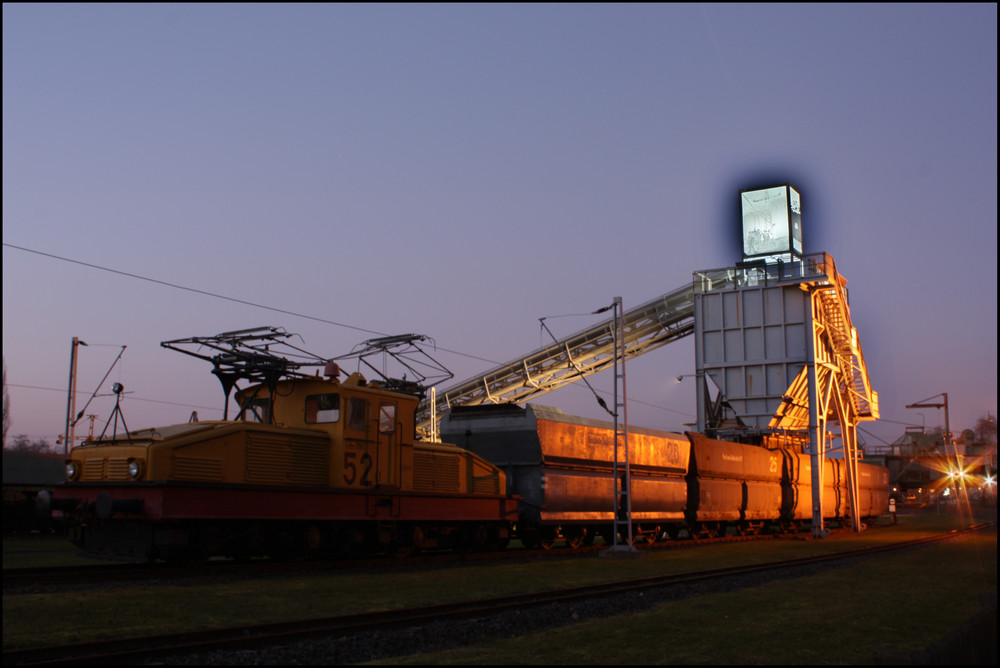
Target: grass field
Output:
{"points": [[903, 601], [899, 603]]}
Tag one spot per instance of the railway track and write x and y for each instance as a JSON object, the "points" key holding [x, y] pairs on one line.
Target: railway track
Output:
{"points": [[97, 574], [133, 650]]}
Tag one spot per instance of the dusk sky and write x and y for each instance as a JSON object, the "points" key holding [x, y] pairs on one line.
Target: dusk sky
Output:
{"points": [[460, 171]]}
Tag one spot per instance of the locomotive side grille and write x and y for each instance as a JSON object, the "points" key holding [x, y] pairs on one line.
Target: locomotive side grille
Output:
{"points": [[197, 468], [277, 460], [486, 485], [435, 472]]}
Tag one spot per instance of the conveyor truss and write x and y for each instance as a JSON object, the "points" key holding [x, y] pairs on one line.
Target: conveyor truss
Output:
{"points": [[669, 318], [647, 327]]}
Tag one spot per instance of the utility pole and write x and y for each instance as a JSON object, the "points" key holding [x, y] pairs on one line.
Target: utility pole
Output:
{"points": [[949, 447], [70, 432], [622, 478], [925, 403]]}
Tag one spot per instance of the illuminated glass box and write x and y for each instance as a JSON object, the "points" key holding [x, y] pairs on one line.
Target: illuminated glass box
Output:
{"points": [[772, 222]]}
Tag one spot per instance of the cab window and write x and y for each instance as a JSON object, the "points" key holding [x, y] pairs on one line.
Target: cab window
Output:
{"points": [[357, 417], [257, 410], [322, 408], [386, 418]]}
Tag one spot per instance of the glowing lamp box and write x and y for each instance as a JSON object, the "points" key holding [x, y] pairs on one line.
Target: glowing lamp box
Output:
{"points": [[772, 221]]}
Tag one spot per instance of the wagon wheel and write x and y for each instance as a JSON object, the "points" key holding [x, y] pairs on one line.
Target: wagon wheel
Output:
{"points": [[574, 536], [649, 536], [742, 528], [529, 538], [546, 537]]}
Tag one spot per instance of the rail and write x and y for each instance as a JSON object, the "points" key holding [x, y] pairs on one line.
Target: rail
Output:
{"points": [[133, 650]]}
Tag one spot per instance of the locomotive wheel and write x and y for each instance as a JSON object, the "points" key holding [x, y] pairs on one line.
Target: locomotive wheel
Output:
{"points": [[313, 538], [399, 551], [210, 541], [417, 537], [495, 540], [397, 541]]}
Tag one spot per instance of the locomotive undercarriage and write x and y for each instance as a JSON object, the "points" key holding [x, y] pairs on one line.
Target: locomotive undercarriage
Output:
{"points": [[141, 541], [580, 535], [136, 540]]}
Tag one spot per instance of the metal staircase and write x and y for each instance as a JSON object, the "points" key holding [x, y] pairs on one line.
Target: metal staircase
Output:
{"points": [[843, 338]]}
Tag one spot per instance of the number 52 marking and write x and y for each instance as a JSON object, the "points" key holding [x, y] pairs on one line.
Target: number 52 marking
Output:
{"points": [[351, 468]]}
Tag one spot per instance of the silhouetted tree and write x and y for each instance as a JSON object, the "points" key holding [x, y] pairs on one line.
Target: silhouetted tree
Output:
{"points": [[986, 429], [24, 444], [6, 404]]}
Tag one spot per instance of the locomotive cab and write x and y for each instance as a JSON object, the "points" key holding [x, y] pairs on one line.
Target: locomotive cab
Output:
{"points": [[366, 426]]}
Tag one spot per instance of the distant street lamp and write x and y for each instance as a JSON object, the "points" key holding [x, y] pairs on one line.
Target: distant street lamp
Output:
{"points": [[949, 445], [924, 403]]}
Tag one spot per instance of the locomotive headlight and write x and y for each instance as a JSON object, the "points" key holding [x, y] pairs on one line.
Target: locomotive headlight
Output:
{"points": [[72, 470], [135, 469]]}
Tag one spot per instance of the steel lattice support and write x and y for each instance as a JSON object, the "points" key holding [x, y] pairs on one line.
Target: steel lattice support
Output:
{"points": [[779, 346]]}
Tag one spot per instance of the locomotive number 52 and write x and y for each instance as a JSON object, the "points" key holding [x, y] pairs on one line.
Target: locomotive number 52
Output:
{"points": [[351, 469]]}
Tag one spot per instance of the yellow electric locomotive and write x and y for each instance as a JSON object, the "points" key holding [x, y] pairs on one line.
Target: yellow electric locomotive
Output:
{"points": [[311, 465]]}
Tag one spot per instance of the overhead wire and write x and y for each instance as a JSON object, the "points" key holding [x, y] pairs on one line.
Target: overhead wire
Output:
{"points": [[275, 309], [215, 295]]}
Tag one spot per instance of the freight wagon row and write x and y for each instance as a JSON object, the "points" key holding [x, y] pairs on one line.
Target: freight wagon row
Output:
{"points": [[561, 467]]}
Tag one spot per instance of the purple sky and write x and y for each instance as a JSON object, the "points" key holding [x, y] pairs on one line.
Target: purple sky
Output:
{"points": [[461, 171]]}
